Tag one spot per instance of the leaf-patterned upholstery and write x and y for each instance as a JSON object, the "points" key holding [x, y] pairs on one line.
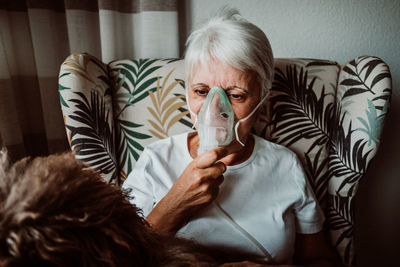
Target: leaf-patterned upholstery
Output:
{"points": [[330, 115]]}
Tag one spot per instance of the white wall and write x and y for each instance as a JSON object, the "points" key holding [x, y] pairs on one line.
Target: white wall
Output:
{"points": [[341, 30], [338, 30]]}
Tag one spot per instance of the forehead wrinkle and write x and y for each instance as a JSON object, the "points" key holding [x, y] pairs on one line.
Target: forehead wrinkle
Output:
{"points": [[234, 87], [199, 84], [216, 73]]}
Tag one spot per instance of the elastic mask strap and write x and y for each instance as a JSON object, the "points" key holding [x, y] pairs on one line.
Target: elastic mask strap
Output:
{"points": [[190, 110], [248, 116]]}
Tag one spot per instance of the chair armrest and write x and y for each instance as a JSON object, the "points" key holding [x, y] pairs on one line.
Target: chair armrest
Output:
{"points": [[363, 98], [86, 102]]}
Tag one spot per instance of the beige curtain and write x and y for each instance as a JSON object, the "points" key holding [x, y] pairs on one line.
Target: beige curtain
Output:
{"points": [[37, 35]]}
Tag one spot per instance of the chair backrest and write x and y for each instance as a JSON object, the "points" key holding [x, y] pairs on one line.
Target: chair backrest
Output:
{"points": [[330, 115]]}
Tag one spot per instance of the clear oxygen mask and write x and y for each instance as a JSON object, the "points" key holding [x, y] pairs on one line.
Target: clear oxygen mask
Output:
{"points": [[216, 121]]}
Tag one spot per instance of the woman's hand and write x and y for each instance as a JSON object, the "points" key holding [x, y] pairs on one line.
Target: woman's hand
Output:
{"points": [[197, 187]]}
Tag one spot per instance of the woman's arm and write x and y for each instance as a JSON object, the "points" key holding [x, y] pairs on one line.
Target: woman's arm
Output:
{"points": [[195, 188]]}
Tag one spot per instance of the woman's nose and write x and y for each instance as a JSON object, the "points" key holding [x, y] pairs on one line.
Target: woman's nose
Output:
{"points": [[215, 102]]}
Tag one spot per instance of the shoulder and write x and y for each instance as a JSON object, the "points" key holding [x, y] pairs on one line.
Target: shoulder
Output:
{"points": [[272, 150], [281, 161], [173, 142], [165, 151], [158, 156]]}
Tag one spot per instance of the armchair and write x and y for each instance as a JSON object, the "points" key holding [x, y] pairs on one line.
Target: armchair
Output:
{"points": [[330, 115]]}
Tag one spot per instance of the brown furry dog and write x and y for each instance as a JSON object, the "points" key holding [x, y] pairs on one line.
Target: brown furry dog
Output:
{"points": [[55, 211]]}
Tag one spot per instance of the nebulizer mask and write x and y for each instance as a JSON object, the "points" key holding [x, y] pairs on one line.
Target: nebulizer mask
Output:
{"points": [[216, 121]]}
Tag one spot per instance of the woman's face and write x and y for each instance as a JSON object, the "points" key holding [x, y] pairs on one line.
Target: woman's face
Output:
{"points": [[241, 87]]}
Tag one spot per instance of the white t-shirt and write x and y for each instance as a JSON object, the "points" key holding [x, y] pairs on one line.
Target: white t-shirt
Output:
{"points": [[261, 205]]}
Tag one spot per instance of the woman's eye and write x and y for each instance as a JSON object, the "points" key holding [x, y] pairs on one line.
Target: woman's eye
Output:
{"points": [[236, 96], [201, 92]]}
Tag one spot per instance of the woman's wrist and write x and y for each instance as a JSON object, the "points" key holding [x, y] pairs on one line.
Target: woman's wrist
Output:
{"points": [[165, 218]]}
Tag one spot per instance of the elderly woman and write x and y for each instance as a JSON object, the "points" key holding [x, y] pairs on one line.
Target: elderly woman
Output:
{"points": [[221, 185]]}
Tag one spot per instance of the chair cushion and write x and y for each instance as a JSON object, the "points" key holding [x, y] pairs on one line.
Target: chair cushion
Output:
{"points": [[149, 104]]}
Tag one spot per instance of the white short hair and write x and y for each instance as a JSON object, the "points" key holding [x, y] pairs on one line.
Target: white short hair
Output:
{"points": [[234, 41]]}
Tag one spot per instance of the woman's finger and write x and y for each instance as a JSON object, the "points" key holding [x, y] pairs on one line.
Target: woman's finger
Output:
{"points": [[211, 173], [208, 158], [219, 180]]}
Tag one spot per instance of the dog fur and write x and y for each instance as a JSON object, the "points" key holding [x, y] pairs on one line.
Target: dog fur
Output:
{"points": [[56, 211]]}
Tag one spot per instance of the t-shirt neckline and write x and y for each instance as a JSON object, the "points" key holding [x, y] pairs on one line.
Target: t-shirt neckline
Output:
{"points": [[233, 167]]}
